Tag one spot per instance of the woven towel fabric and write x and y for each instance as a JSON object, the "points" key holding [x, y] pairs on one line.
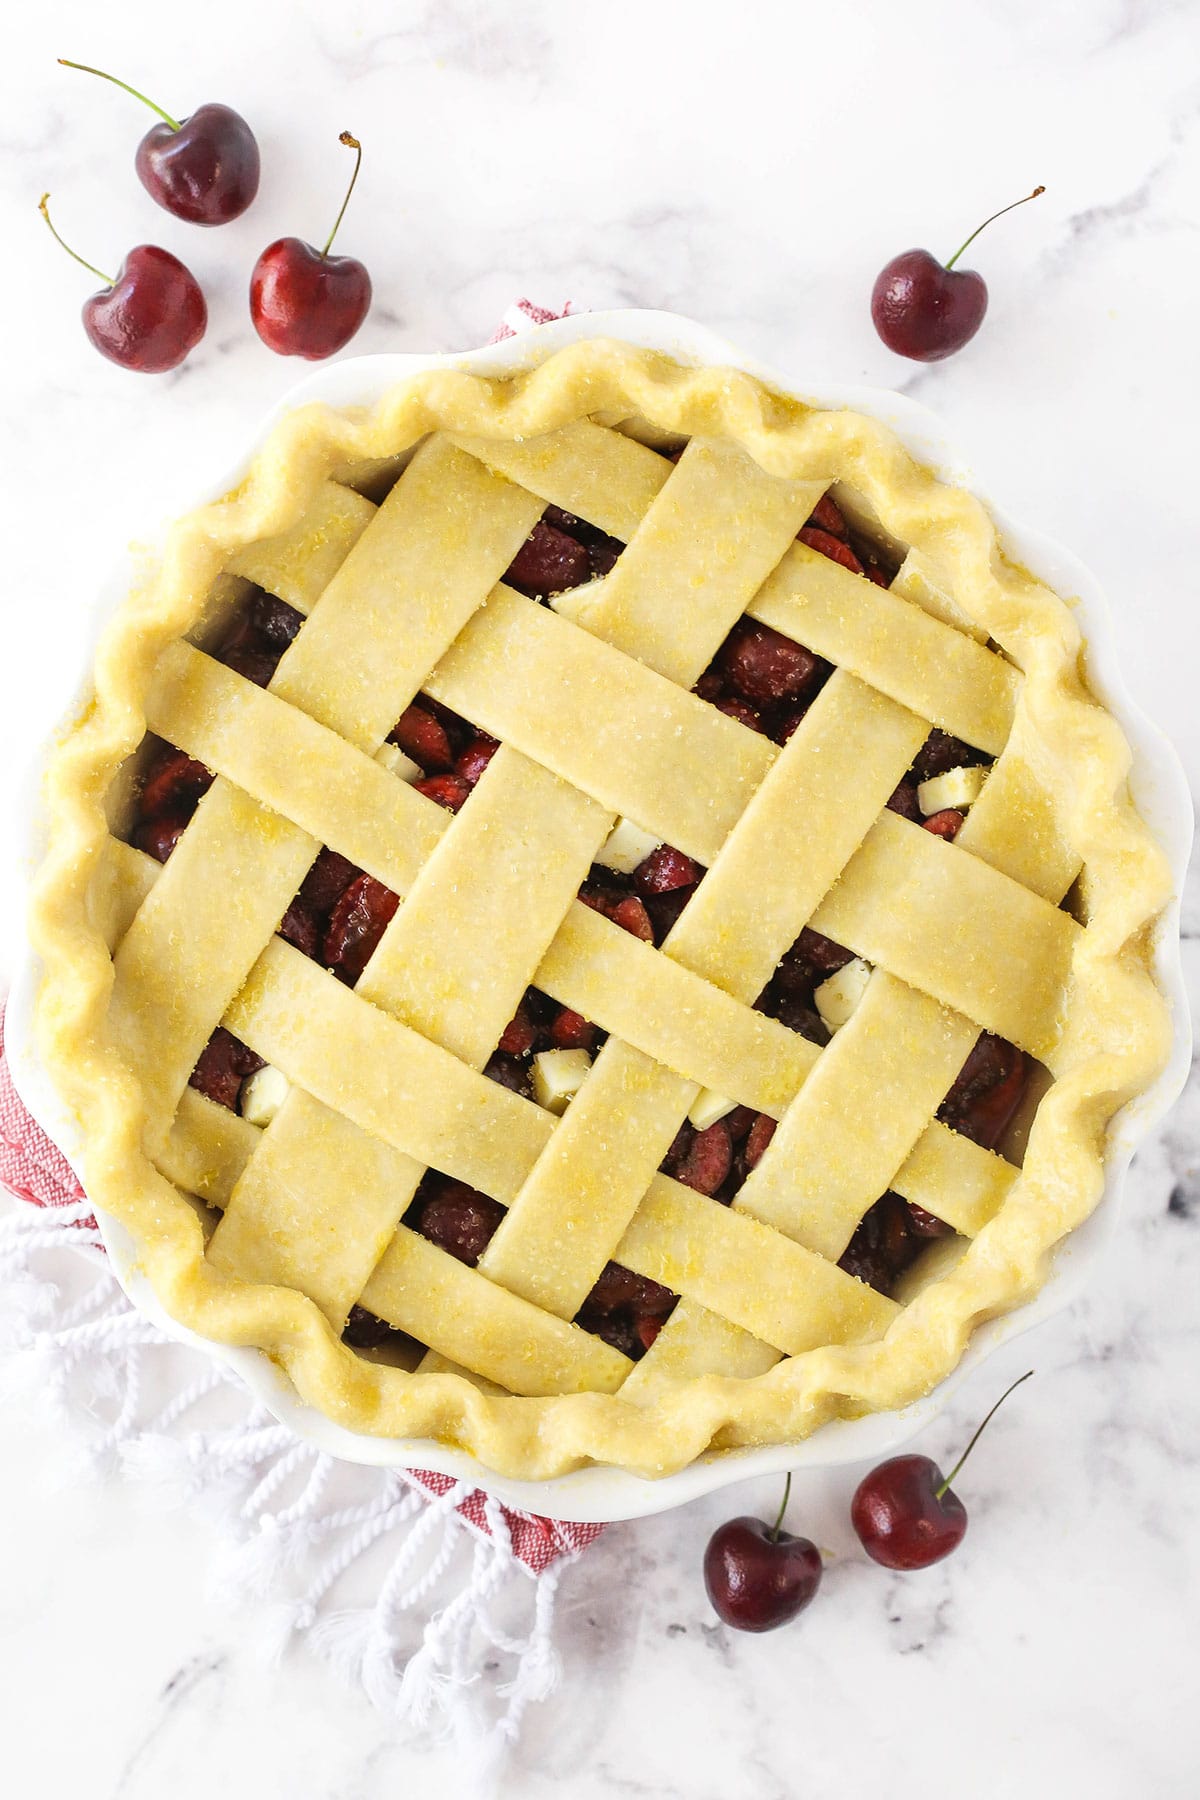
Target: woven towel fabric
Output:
{"points": [[521, 315], [31, 1167]]}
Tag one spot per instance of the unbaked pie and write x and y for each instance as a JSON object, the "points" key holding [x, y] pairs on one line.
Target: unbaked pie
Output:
{"points": [[592, 915]]}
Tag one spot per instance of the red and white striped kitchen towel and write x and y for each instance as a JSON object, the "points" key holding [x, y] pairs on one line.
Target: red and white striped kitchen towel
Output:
{"points": [[454, 1593]]}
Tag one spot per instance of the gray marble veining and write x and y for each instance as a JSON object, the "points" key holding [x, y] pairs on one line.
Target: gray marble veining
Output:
{"points": [[752, 166]]}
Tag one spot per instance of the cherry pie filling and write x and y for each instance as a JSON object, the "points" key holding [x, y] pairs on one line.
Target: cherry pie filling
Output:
{"points": [[759, 677]]}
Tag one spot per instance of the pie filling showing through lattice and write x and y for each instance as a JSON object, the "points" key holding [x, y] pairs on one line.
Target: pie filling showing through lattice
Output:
{"points": [[583, 914]]}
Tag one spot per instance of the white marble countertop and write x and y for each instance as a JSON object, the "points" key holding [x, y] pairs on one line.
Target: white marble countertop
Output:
{"points": [[752, 166]]}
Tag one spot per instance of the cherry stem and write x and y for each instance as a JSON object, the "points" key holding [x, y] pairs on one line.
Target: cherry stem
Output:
{"points": [[939, 1491], [353, 144], [44, 209], [117, 82], [987, 222], [787, 1488]]}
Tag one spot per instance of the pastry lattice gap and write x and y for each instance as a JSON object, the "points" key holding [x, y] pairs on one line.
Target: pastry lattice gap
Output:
{"points": [[762, 679]]}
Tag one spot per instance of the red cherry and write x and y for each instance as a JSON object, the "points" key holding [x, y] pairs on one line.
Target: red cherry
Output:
{"points": [[945, 824], [830, 545], [905, 1512], [519, 1035], [626, 910], [664, 870], [450, 791], [304, 302], [475, 758], [763, 665], [757, 1576], [828, 516], [356, 924], [571, 1031], [457, 1219], [700, 1159], [424, 738], [151, 316], [925, 310], [364, 1330], [905, 1516], [548, 562], [158, 837], [224, 1064], [987, 1091], [203, 168], [174, 781]]}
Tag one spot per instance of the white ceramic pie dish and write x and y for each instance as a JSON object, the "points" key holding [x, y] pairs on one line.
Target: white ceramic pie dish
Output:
{"points": [[1159, 789]]}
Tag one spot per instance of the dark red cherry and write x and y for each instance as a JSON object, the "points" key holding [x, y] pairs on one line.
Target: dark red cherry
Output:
{"points": [[548, 562], [663, 871], [224, 1064], [924, 309], [571, 1031], [151, 316], [364, 1330], [158, 837], [758, 1576], [423, 737], [356, 924], [987, 1090], [457, 1219], [450, 791], [174, 782], [905, 1516], [203, 168], [700, 1159], [304, 302], [905, 1512]]}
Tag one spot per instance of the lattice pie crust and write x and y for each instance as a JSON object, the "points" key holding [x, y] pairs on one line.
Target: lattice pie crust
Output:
{"points": [[593, 707]]}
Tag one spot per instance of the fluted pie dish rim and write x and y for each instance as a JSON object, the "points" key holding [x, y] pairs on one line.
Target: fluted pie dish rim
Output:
{"points": [[533, 1448]]}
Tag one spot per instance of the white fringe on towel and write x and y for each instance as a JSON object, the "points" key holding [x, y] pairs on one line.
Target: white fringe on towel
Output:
{"points": [[287, 1538]]}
